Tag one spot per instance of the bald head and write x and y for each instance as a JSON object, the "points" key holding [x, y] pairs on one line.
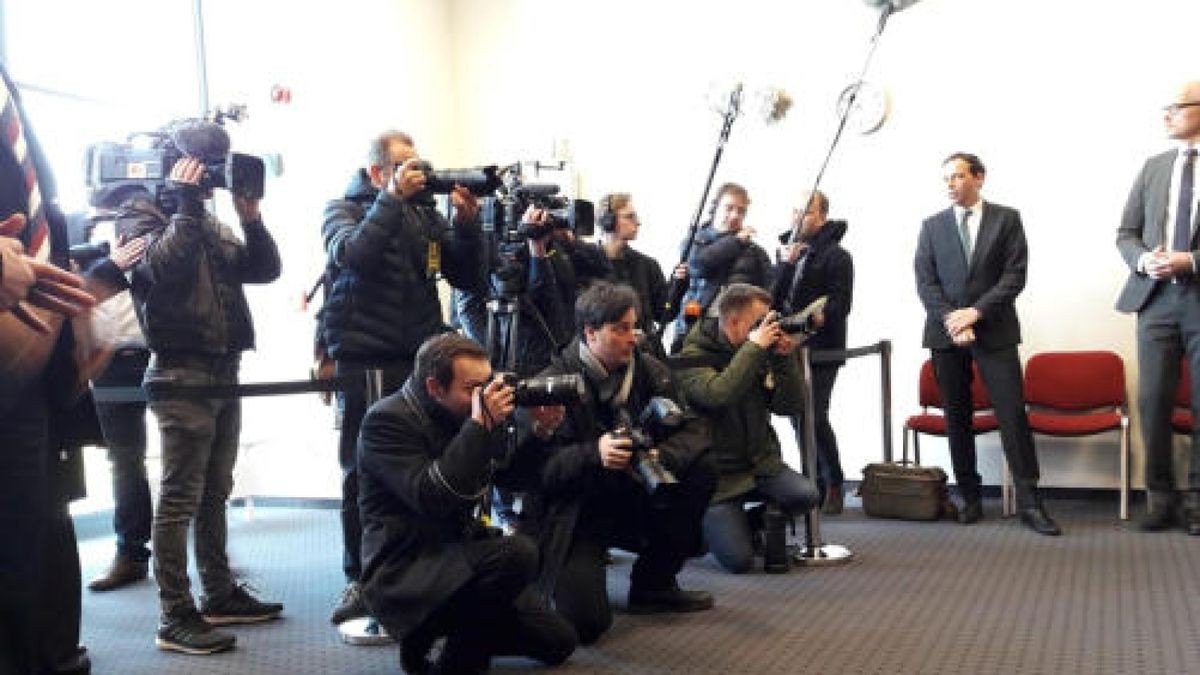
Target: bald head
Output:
{"points": [[1182, 115]]}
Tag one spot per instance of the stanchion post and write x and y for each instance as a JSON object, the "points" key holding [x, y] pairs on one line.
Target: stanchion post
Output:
{"points": [[885, 376], [814, 552]]}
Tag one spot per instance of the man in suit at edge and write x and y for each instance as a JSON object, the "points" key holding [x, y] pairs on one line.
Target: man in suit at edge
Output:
{"points": [[1157, 240], [970, 266]]}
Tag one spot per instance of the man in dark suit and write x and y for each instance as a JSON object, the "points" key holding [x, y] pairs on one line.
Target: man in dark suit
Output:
{"points": [[970, 266], [1157, 240]]}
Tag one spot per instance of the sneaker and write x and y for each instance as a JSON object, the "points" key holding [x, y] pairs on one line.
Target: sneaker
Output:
{"points": [[669, 599], [189, 633], [350, 605], [364, 631], [238, 607]]}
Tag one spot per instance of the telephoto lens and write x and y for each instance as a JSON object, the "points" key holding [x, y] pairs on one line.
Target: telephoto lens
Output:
{"points": [[775, 554], [548, 390]]}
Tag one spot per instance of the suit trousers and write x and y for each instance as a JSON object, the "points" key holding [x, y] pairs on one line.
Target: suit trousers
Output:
{"points": [[1001, 372], [1168, 328]]}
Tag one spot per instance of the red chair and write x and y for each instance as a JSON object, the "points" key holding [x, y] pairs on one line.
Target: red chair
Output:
{"points": [[1073, 394], [934, 423], [1181, 416]]}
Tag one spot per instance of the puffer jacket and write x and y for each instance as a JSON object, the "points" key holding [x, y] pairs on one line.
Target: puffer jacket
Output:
{"points": [[383, 302], [718, 259]]}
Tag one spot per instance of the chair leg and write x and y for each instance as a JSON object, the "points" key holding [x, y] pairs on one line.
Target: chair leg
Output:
{"points": [[1124, 468], [1007, 493], [904, 445], [916, 448]]}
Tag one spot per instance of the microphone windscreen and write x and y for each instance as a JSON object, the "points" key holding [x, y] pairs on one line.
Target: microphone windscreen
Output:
{"points": [[891, 5], [775, 105]]}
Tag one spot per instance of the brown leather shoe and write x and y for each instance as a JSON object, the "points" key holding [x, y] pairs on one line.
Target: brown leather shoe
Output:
{"points": [[124, 571]]}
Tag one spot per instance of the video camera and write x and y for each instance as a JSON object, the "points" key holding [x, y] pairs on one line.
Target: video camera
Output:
{"points": [[145, 160], [576, 215], [660, 416], [546, 390]]}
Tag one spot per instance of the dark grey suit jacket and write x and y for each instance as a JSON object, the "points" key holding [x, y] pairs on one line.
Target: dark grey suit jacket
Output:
{"points": [[1142, 228], [990, 282]]}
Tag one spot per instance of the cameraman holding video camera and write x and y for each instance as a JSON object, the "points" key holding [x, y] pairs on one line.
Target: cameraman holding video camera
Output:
{"points": [[432, 568], [188, 288], [591, 494], [386, 244], [749, 370]]}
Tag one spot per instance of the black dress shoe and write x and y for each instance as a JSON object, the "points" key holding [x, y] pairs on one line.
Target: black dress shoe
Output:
{"points": [[1036, 519], [971, 512], [124, 571], [670, 599], [1157, 520]]}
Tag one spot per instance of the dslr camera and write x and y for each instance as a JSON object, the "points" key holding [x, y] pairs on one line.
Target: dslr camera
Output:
{"points": [[798, 322], [482, 181], [658, 419]]}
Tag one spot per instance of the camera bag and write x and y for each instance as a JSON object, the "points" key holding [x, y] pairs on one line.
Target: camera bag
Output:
{"points": [[905, 492]]}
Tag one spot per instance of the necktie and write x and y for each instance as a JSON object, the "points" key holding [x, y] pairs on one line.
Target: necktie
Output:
{"points": [[36, 226], [1182, 241], [965, 233]]}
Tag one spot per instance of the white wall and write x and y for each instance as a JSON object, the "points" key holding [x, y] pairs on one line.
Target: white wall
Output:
{"points": [[1061, 100]]}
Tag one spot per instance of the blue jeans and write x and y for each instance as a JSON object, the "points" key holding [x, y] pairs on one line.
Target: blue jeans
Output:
{"points": [[124, 427], [199, 448], [727, 526]]}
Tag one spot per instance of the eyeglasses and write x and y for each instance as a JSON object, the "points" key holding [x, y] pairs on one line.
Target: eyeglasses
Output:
{"points": [[632, 215], [1174, 108]]}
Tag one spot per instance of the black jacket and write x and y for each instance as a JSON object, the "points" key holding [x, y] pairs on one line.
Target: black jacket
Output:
{"points": [[421, 474], [187, 288], [643, 273], [570, 472], [828, 270], [383, 301]]}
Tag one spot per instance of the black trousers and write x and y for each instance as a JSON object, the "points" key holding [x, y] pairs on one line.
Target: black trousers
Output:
{"points": [[828, 470], [1001, 372], [124, 427], [496, 613], [355, 401], [664, 529]]}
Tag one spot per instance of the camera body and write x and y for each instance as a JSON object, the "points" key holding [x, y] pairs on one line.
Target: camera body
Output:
{"points": [[546, 390], [800, 323], [660, 416]]}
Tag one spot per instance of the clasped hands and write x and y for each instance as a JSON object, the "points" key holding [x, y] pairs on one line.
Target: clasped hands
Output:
{"points": [[960, 324]]}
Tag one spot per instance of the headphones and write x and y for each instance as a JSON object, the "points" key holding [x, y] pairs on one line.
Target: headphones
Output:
{"points": [[608, 217]]}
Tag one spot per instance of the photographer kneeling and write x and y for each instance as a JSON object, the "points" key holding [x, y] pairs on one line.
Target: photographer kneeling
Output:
{"points": [[751, 371], [592, 496], [430, 567]]}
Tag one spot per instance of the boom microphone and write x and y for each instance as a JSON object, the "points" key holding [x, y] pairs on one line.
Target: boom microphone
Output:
{"points": [[891, 6]]}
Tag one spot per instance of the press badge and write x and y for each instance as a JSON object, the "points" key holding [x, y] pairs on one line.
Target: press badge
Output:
{"points": [[433, 258]]}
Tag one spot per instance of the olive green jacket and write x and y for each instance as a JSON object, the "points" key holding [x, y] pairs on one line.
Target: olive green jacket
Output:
{"points": [[737, 390]]}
